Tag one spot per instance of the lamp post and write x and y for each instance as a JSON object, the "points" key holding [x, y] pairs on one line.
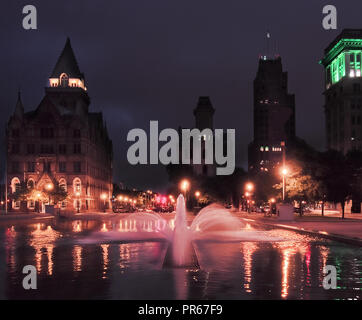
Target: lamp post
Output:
{"points": [[197, 195], [78, 202], [49, 187], [284, 173], [184, 186], [38, 197], [249, 187]]}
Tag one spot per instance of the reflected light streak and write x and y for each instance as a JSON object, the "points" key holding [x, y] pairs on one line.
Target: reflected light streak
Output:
{"points": [[77, 258]]}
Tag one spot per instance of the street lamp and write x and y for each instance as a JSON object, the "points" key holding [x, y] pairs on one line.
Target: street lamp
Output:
{"points": [[249, 186], [197, 195], [284, 173], [49, 187], [38, 195], [184, 186], [104, 197]]}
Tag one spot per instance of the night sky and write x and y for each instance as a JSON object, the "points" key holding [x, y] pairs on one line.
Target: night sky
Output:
{"points": [[151, 59]]}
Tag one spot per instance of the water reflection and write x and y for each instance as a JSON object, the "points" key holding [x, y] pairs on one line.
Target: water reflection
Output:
{"points": [[77, 258], [42, 240], [290, 269]]}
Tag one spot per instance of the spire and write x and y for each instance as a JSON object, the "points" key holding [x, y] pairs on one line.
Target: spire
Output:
{"points": [[67, 63], [270, 48], [204, 113], [19, 108]]}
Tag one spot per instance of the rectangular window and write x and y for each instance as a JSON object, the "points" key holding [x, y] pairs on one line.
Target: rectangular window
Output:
{"points": [[76, 167], [15, 133], [30, 148], [77, 148], [15, 148], [62, 149], [47, 166], [62, 167], [47, 133], [46, 149], [76, 133], [31, 166], [356, 87], [15, 167]]}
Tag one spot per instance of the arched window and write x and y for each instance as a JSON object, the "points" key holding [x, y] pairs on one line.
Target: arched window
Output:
{"points": [[15, 184], [30, 184], [63, 185], [77, 186], [64, 80]]}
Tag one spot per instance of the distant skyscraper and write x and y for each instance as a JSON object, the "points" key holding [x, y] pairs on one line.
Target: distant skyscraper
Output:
{"points": [[343, 95], [204, 119], [274, 115]]}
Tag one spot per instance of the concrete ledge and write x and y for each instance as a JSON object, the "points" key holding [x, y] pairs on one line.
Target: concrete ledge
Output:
{"points": [[322, 234]]}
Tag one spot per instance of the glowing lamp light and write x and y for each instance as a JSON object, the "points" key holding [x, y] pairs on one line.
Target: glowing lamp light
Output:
{"points": [[103, 196], [284, 171], [49, 186], [185, 184], [197, 194], [247, 194], [249, 187], [38, 195], [120, 198], [77, 194], [272, 200]]}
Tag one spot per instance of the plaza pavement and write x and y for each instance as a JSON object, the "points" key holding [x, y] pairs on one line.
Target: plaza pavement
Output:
{"points": [[330, 226]]}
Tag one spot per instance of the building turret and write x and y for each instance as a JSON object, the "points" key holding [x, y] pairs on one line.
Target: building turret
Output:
{"points": [[204, 114]]}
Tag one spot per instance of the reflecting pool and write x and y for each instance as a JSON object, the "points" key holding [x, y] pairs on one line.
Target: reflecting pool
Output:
{"points": [[70, 269]]}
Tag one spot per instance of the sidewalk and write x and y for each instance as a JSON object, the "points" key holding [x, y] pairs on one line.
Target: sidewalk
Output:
{"points": [[348, 230], [36, 216]]}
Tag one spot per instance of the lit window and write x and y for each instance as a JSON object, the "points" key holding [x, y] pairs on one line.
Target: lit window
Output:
{"points": [[261, 149], [358, 73], [351, 74], [266, 149]]}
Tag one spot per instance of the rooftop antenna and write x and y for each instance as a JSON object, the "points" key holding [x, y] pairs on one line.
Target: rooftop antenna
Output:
{"points": [[268, 39]]}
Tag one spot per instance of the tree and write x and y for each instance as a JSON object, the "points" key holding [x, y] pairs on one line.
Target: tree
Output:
{"points": [[299, 185], [337, 177], [22, 192], [58, 193]]}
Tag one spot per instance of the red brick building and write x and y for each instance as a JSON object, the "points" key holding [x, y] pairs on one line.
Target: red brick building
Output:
{"points": [[61, 143]]}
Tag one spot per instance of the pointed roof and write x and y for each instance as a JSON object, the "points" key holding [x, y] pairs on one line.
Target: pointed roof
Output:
{"points": [[67, 63], [19, 108], [204, 104]]}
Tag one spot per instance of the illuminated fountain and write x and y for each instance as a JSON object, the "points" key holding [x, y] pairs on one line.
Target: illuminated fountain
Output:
{"points": [[213, 224]]}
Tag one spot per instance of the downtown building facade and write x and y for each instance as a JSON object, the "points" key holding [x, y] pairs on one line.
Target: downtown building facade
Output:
{"points": [[274, 116], [343, 91], [60, 143], [342, 62]]}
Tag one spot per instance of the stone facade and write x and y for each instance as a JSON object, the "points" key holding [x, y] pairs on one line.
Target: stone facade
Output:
{"points": [[61, 143]]}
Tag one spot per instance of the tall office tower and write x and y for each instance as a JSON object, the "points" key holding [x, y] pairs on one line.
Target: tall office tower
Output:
{"points": [[274, 115], [343, 95]]}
